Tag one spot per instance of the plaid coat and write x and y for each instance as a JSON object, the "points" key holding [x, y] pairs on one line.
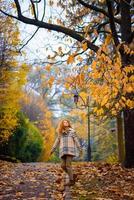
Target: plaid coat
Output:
{"points": [[68, 143]]}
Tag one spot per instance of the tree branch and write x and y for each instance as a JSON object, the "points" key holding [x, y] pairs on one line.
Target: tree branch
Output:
{"points": [[125, 20], [29, 39], [112, 22], [97, 9], [53, 27], [18, 8], [37, 1], [92, 7], [9, 15], [34, 11]]}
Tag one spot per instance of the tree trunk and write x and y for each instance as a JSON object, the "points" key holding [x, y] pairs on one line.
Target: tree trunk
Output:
{"points": [[120, 135], [129, 138], [126, 33]]}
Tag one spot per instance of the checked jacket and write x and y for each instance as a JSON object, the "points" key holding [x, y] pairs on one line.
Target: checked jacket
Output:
{"points": [[68, 143]]}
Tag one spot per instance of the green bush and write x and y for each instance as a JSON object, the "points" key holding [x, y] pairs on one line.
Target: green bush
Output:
{"points": [[26, 143]]}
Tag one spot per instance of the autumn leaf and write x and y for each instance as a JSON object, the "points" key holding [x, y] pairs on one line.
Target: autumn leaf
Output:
{"points": [[70, 59], [83, 95], [48, 67], [104, 101], [84, 46], [50, 81], [13, 5]]}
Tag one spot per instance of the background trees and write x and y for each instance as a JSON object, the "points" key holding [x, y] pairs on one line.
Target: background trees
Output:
{"points": [[12, 77]]}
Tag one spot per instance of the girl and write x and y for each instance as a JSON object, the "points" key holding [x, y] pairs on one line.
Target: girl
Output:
{"points": [[68, 143]]}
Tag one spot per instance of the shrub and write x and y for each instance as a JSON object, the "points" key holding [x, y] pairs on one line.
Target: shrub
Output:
{"points": [[26, 143]]}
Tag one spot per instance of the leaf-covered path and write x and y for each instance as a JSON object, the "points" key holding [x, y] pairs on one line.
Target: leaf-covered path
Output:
{"points": [[42, 181]]}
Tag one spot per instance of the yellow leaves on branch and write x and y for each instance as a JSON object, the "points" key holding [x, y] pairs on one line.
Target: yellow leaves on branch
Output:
{"points": [[50, 81], [71, 58], [115, 84], [84, 96], [48, 67], [108, 39], [80, 79], [67, 86], [60, 22], [84, 46]]}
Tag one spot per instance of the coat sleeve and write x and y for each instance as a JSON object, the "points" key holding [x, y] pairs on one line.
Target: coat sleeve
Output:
{"points": [[56, 143], [76, 139]]}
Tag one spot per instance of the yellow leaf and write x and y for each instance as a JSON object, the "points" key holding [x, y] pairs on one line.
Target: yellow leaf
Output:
{"points": [[129, 89], [113, 112], [80, 58], [95, 109], [104, 101], [130, 103], [94, 64], [51, 80], [100, 111], [83, 95], [84, 46], [86, 67], [67, 86], [70, 59], [108, 39], [48, 67], [107, 105], [117, 105]]}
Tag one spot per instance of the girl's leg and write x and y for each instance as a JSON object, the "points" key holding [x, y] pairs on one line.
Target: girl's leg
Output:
{"points": [[63, 162], [69, 167]]}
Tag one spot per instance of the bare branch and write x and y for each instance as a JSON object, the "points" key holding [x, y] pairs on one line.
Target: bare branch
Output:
{"points": [[34, 11], [29, 39], [9, 15], [18, 8], [54, 27], [37, 1]]}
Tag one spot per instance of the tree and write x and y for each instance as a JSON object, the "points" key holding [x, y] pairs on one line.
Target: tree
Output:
{"points": [[26, 142], [86, 22], [36, 110], [12, 77]]}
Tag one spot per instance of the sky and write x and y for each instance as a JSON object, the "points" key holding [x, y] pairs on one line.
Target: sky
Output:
{"points": [[36, 48]]}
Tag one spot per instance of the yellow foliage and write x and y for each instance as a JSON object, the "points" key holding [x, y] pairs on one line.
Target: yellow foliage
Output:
{"points": [[108, 39], [99, 111], [104, 101], [84, 46], [44, 122], [48, 67], [70, 59], [83, 95], [12, 77], [50, 81]]}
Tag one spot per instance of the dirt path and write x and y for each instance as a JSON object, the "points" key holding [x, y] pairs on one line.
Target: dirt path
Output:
{"points": [[42, 181]]}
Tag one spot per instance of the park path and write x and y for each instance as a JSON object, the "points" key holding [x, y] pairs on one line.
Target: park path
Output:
{"points": [[42, 181]]}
